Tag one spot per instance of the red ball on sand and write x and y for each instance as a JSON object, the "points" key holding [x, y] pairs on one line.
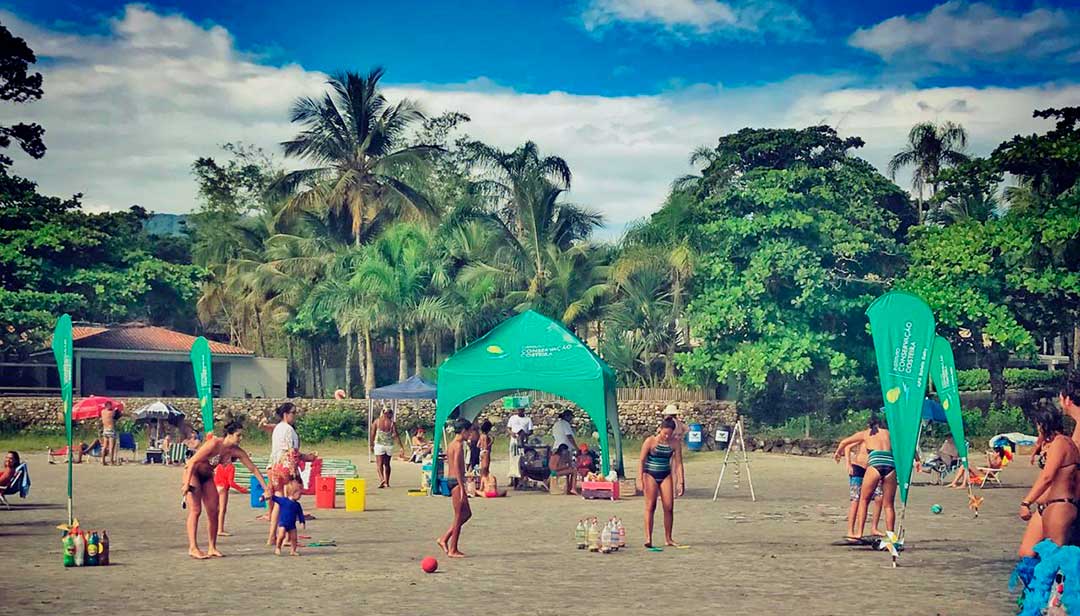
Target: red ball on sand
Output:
{"points": [[429, 564]]}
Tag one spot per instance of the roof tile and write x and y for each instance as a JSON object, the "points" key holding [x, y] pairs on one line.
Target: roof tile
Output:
{"points": [[144, 338]]}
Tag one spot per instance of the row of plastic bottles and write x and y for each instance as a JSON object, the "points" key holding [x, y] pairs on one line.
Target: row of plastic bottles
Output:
{"points": [[608, 538], [88, 548]]}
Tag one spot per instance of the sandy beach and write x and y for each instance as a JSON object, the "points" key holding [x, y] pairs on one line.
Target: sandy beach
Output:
{"points": [[745, 557]]}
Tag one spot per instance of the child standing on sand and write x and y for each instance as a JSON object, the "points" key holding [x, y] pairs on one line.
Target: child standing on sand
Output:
{"points": [[290, 512], [455, 473], [225, 479]]}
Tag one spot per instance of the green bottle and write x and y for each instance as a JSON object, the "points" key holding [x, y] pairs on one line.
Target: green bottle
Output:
{"points": [[69, 550]]}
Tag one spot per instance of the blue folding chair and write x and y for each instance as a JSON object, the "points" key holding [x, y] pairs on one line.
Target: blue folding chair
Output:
{"points": [[127, 441]]}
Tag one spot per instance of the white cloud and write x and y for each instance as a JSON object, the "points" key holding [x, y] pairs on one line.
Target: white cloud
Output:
{"points": [[126, 114], [962, 34], [700, 18]]}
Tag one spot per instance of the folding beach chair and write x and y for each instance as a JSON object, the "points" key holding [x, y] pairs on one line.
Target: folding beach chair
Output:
{"points": [[19, 484], [127, 442], [178, 453], [60, 455], [990, 475]]}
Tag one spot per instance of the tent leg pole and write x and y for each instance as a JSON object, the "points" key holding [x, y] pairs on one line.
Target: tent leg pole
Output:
{"points": [[369, 419]]}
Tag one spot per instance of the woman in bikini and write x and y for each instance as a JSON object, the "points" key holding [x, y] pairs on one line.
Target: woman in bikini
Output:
{"points": [[854, 454], [485, 443], [660, 471], [1050, 507], [880, 470], [198, 487]]}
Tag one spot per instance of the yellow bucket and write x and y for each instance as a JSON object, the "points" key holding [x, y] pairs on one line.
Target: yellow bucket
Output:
{"points": [[354, 494]]}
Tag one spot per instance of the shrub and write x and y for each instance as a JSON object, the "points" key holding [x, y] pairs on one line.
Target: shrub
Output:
{"points": [[332, 423], [998, 420], [1015, 378]]}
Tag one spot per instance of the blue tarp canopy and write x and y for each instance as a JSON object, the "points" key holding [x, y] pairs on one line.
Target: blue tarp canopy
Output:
{"points": [[412, 388], [933, 411]]}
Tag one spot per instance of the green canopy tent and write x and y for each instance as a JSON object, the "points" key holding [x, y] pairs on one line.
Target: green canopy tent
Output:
{"points": [[530, 352]]}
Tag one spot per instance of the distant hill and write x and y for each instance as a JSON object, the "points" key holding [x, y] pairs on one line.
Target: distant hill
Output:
{"points": [[166, 224]]}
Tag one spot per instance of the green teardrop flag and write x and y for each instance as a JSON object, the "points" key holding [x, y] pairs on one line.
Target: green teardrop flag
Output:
{"points": [[943, 374], [903, 329], [62, 351], [204, 382]]}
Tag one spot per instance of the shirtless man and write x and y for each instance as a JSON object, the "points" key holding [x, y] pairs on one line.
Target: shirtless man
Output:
{"points": [[108, 434], [455, 473]]}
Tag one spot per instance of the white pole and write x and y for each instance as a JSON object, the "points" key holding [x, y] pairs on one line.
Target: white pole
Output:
{"points": [[370, 402]]}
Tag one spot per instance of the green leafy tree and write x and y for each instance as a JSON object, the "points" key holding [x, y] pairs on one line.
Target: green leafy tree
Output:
{"points": [[791, 253], [930, 149], [19, 85], [99, 267], [960, 272]]}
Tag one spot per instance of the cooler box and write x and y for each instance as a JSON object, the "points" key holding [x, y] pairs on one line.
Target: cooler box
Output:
{"points": [[326, 492], [256, 493], [693, 437], [600, 489], [309, 472], [354, 494]]}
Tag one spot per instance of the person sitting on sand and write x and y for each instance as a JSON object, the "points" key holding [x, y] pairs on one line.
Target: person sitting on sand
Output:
{"points": [[290, 513], [561, 465], [198, 487], [489, 487], [1050, 507]]}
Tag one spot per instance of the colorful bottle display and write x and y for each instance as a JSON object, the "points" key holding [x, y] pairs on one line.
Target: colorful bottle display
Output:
{"points": [[80, 548], [93, 547], [69, 550], [594, 536], [103, 557]]}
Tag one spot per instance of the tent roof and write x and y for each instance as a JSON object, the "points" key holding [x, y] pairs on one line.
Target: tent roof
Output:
{"points": [[412, 388], [529, 343]]}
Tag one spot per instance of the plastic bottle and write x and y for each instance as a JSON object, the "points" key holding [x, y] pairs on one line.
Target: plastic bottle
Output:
{"points": [[580, 535], [622, 532], [103, 558], [69, 550], [594, 536], [614, 535], [80, 548], [93, 545]]}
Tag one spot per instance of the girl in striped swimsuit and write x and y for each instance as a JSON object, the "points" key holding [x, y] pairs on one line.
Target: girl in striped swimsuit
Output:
{"points": [[660, 471]]}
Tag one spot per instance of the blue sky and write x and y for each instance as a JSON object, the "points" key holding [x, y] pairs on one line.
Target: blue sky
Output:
{"points": [[624, 89]]}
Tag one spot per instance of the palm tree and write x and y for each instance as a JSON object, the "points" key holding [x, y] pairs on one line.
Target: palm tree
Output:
{"points": [[355, 139], [531, 227], [930, 148], [396, 270]]}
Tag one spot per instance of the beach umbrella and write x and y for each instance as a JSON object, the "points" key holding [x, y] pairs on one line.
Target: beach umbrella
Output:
{"points": [[90, 408], [159, 410]]}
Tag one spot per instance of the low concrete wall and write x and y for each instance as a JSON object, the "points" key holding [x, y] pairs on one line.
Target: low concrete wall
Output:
{"points": [[636, 417]]}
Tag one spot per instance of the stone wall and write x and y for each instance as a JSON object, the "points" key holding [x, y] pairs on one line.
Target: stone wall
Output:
{"points": [[636, 418]]}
